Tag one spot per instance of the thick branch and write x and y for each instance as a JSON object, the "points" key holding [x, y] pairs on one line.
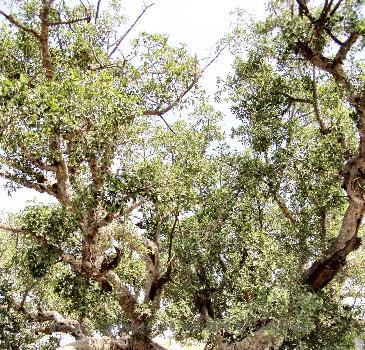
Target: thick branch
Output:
{"points": [[60, 324], [126, 299], [61, 171], [345, 48], [155, 290], [43, 39]]}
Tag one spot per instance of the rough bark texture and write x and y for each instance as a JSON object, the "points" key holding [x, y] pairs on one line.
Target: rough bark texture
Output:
{"points": [[106, 343], [260, 340]]}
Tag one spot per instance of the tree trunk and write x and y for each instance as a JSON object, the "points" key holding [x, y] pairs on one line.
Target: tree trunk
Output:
{"points": [[105, 343]]}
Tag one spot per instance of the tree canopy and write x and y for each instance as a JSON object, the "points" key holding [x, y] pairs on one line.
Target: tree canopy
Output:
{"points": [[154, 222]]}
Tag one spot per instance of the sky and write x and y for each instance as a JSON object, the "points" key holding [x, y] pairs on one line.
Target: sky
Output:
{"points": [[197, 23]]}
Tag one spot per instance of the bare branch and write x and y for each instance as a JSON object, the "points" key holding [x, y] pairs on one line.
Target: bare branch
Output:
{"points": [[335, 8], [120, 40], [21, 26], [26, 292], [345, 48], [167, 124], [303, 9], [97, 11], [168, 108], [335, 39], [61, 324]]}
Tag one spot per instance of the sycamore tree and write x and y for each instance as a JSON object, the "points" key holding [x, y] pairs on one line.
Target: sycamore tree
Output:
{"points": [[298, 89], [80, 116], [278, 262], [154, 225]]}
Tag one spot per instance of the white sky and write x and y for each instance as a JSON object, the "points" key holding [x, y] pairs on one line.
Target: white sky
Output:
{"points": [[197, 23]]}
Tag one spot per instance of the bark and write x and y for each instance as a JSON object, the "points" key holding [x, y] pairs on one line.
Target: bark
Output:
{"points": [[322, 272], [105, 343], [43, 39], [260, 340]]}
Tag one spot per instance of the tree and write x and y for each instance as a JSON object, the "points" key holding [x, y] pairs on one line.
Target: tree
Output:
{"points": [[272, 239], [78, 122], [164, 227], [299, 93]]}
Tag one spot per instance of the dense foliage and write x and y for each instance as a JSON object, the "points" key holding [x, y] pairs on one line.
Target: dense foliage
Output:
{"points": [[154, 223]]}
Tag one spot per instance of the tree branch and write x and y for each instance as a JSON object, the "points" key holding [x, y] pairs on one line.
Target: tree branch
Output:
{"points": [[169, 107], [67, 258], [21, 26], [41, 188], [97, 11], [61, 171], [126, 299], [284, 209], [61, 324], [296, 99], [108, 218], [345, 48], [323, 129], [326, 64], [43, 39], [87, 19], [120, 40]]}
